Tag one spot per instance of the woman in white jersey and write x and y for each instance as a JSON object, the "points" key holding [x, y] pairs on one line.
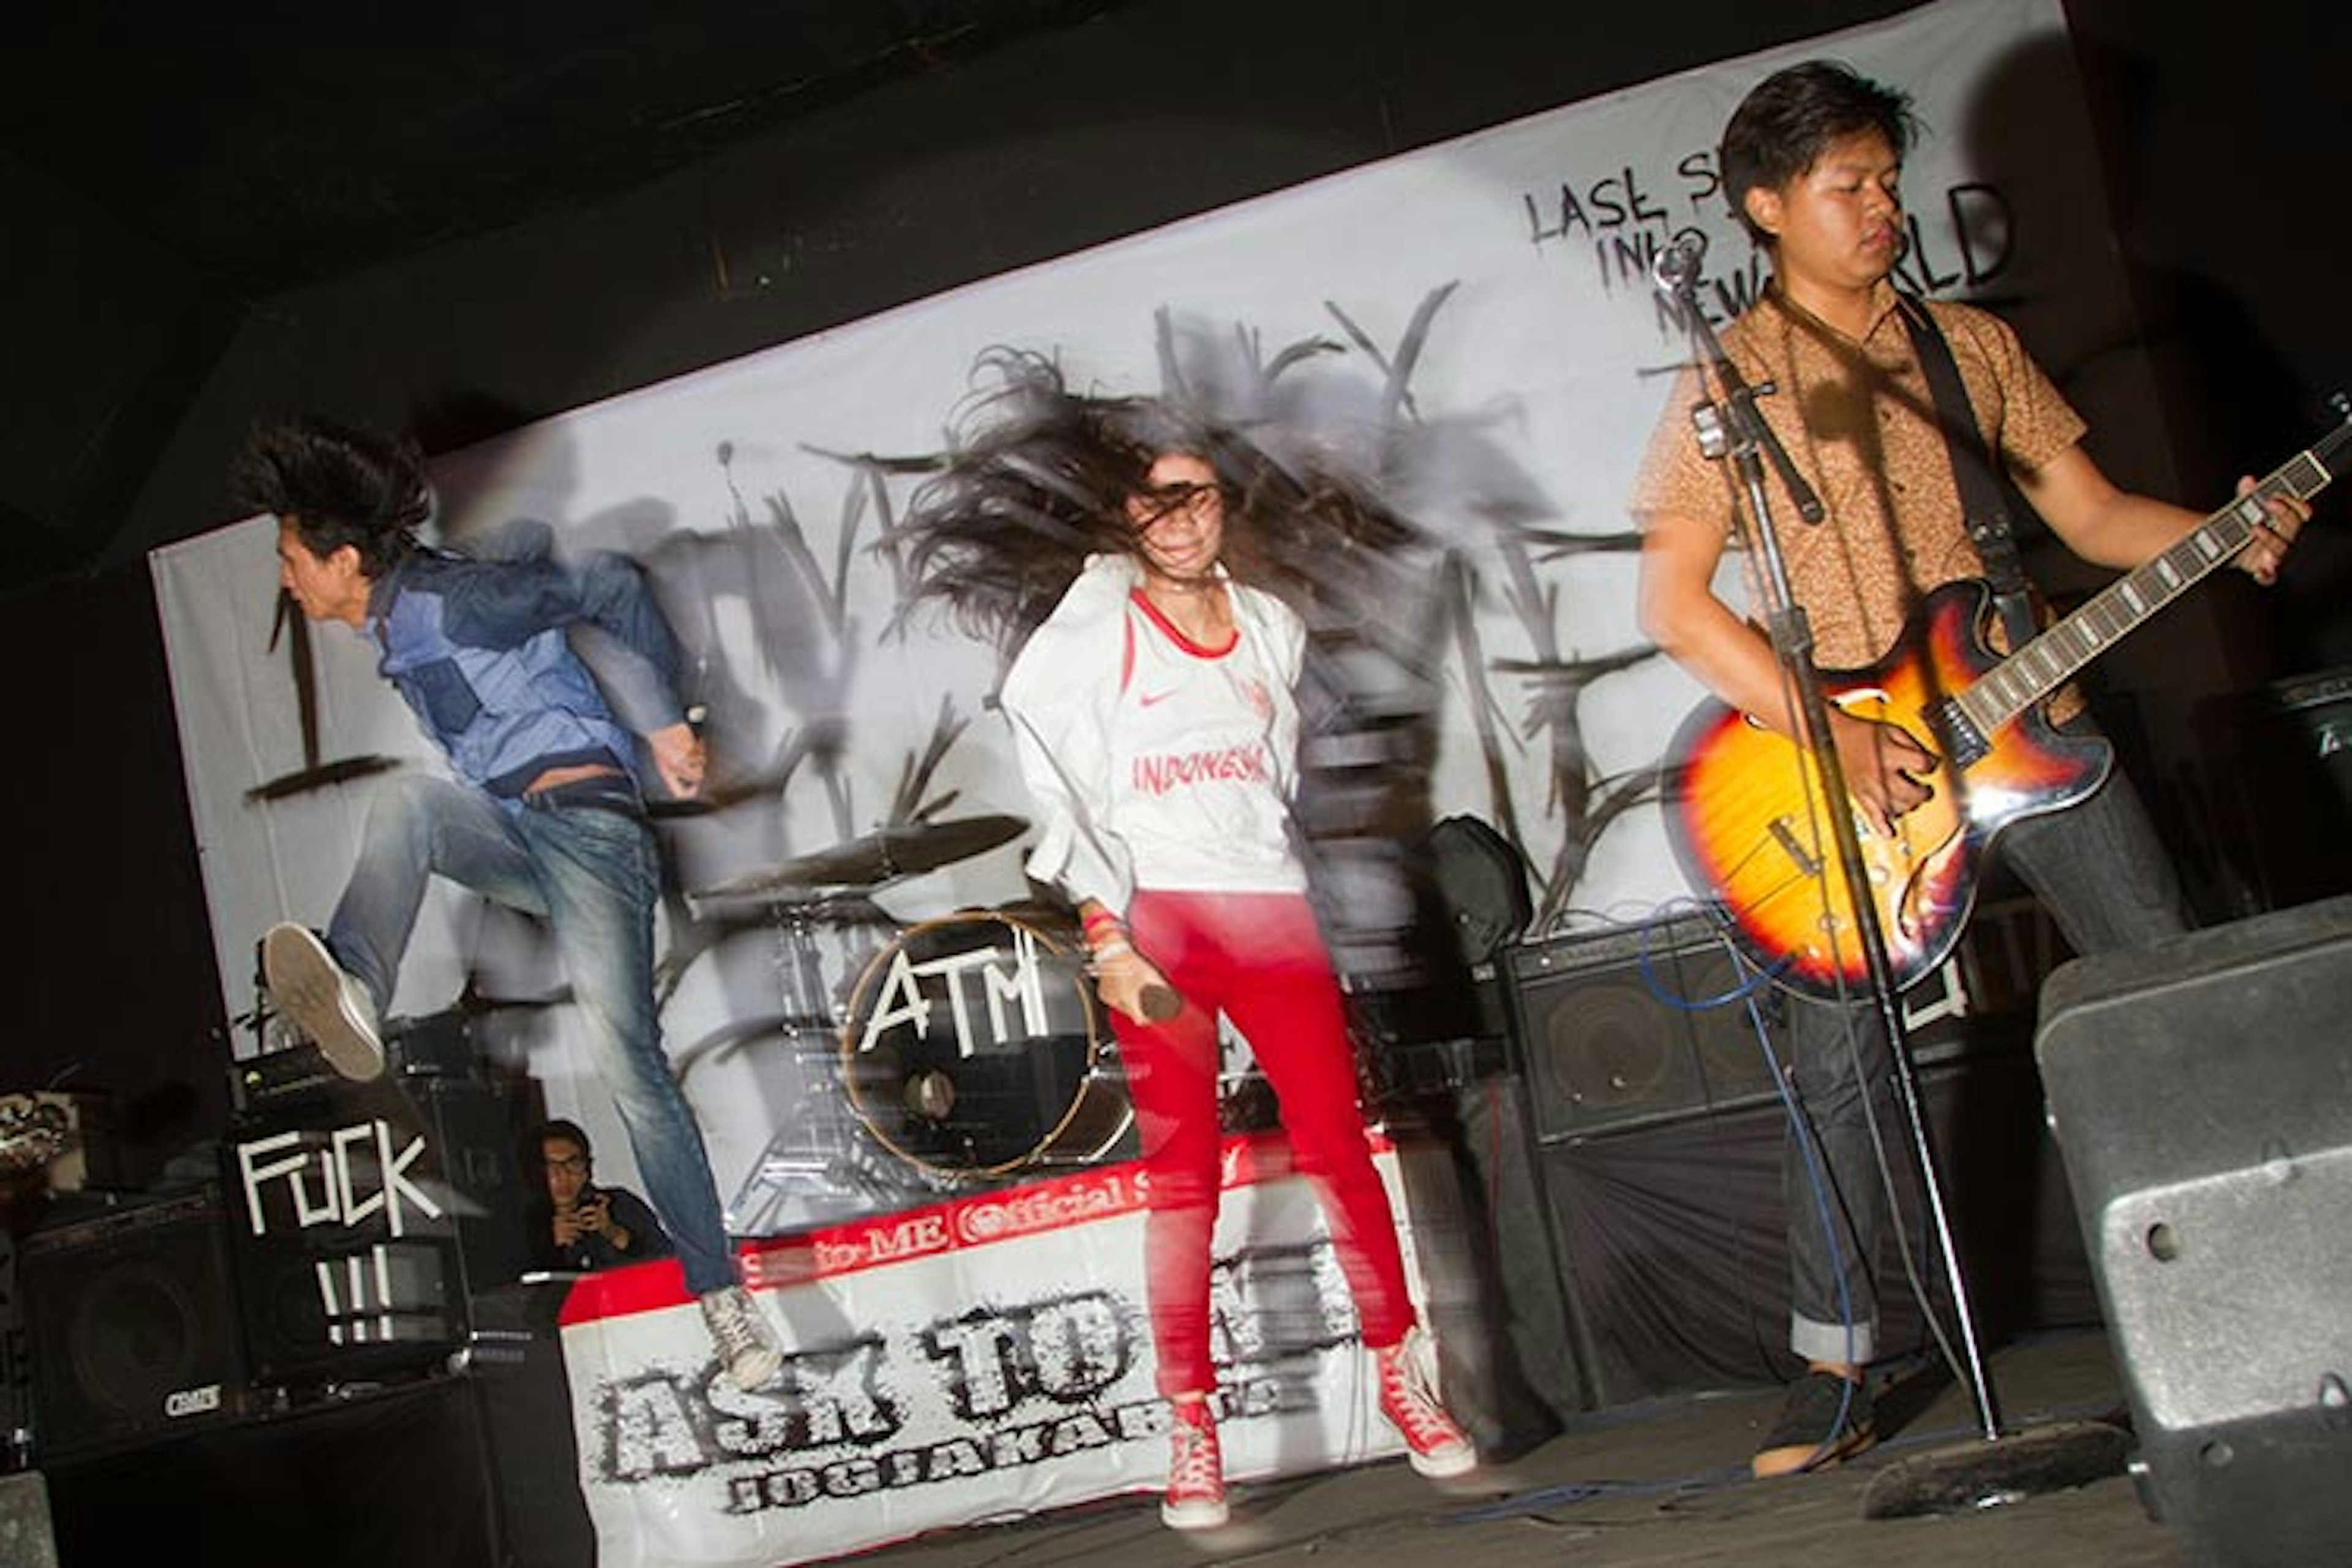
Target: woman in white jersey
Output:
{"points": [[1156, 723]]}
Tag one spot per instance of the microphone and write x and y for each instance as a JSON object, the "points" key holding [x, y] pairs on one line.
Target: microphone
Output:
{"points": [[1676, 266]]}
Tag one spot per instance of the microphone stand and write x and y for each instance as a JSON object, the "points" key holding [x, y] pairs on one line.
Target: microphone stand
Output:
{"points": [[1730, 426]]}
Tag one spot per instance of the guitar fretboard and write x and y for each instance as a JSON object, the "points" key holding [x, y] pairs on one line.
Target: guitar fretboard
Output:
{"points": [[2041, 666]]}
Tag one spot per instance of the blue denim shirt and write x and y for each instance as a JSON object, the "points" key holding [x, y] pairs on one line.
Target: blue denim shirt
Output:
{"points": [[480, 652]]}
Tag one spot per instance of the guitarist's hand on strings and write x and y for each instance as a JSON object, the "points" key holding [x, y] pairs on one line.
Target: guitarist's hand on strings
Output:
{"points": [[2266, 551], [1884, 768]]}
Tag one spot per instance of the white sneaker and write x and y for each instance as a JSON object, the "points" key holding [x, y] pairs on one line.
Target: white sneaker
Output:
{"points": [[329, 1006], [747, 1350]]}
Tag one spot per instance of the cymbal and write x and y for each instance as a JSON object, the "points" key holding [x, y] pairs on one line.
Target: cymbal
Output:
{"points": [[723, 914], [880, 857]]}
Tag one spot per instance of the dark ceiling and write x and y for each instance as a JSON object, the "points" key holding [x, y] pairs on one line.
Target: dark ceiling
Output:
{"points": [[172, 176], [271, 145]]}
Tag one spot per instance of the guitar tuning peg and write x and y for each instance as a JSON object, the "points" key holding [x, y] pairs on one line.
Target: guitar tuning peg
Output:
{"points": [[2341, 404]]}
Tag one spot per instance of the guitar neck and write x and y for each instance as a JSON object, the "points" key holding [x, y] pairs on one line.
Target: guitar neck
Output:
{"points": [[2041, 666]]}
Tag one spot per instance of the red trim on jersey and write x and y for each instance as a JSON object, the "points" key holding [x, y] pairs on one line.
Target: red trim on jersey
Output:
{"points": [[1176, 635]]}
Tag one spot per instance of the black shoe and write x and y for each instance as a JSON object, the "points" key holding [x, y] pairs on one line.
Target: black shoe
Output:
{"points": [[1824, 1420]]}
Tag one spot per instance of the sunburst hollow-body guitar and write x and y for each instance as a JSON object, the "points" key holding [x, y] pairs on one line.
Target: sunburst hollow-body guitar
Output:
{"points": [[1744, 807]]}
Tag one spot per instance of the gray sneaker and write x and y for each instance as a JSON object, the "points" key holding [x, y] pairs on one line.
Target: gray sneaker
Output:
{"points": [[747, 1350], [329, 1006]]}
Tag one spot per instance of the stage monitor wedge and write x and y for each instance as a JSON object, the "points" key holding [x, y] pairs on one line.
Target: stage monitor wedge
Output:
{"points": [[2200, 1091]]}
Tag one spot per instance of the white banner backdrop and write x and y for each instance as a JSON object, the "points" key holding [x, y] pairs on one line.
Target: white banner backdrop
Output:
{"points": [[1481, 343], [972, 1359]]}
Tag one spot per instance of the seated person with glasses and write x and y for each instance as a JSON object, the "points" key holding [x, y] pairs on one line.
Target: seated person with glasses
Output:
{"points": [[581, 1227]]}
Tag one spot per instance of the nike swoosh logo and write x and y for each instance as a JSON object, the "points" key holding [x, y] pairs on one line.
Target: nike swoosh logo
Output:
{"points": [[1154, 698]]}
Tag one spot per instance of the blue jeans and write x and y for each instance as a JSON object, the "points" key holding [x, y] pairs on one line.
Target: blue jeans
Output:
{"points": [[2103, 874], [593, 875]]}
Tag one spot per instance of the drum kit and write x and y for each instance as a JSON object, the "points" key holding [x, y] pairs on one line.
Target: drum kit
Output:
{"points": [[970, 1049]]}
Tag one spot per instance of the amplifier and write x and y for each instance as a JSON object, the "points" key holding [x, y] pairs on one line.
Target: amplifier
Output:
{"points": [[366, 1217], [131, 1326], [440, 1045], [1635, 1025]]}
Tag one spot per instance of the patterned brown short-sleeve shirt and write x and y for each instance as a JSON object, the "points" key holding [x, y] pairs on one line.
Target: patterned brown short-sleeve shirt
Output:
{"points": [[1859, 422]]}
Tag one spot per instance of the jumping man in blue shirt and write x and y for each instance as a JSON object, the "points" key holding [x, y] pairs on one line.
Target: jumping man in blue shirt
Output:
{"points": [[545, 817]]}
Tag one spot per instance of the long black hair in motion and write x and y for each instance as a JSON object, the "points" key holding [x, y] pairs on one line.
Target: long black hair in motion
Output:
{"points": [[1037, 478]]}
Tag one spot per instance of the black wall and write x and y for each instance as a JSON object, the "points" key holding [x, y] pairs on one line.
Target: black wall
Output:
{"points": [[2218, 126]]}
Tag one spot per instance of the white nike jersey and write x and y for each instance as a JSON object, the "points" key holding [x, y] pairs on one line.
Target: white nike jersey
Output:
{"points": [[1201, 745]]}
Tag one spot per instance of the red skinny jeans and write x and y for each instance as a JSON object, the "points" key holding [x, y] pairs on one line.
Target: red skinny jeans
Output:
{"points": [[1259, 959]]}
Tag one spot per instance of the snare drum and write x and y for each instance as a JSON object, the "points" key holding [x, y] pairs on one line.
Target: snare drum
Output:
{"points": [[973, 1048]]}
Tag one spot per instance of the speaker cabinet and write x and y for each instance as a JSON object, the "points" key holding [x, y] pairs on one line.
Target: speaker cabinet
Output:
{"points": [[2200, 1094], [1644, 1222], [367, 1216], [132, 1326], [2281, 788], [386, 1476], [1632, 1026]]}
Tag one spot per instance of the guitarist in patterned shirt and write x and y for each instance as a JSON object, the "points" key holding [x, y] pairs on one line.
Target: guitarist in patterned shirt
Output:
{"points": [[1812, 162]]}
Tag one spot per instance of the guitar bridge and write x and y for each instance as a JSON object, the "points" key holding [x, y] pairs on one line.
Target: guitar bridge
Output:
{"points": [[1806, 864], [1963, 742]]}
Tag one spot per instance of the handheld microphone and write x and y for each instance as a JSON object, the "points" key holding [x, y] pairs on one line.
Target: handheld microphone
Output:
{"points": [[1677, 267]]}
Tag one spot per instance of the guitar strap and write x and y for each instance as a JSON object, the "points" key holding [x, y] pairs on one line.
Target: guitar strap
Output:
{"points": [[1982, 503]]}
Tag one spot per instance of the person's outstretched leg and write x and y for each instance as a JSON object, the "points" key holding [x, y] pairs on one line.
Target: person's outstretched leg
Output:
{"points": [[600, 877], [336, 988], [1284, 999]]}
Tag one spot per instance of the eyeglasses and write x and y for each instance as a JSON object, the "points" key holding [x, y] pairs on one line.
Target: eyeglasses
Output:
{"points": [[569, 1163], [1164, 501]]}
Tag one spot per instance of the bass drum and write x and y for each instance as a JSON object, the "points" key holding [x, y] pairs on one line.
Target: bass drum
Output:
{"points": [[974, 1048]]}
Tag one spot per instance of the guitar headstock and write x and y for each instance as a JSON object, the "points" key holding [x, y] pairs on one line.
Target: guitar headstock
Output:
{"points": [[2330, 449]]}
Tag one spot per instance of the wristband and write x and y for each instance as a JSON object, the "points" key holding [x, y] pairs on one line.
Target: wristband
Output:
{"points": [[1110, 949]]}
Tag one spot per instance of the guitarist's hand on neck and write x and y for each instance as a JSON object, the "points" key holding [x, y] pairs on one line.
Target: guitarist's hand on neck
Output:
{"points": [[1884, 768], [2266, 553]]}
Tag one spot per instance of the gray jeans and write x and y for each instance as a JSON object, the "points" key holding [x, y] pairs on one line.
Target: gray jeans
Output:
{"points": [[2103, 874]]}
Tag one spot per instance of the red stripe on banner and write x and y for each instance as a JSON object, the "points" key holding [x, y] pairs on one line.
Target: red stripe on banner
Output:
{"points": [[618, 1292], [1053, 1203]]}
